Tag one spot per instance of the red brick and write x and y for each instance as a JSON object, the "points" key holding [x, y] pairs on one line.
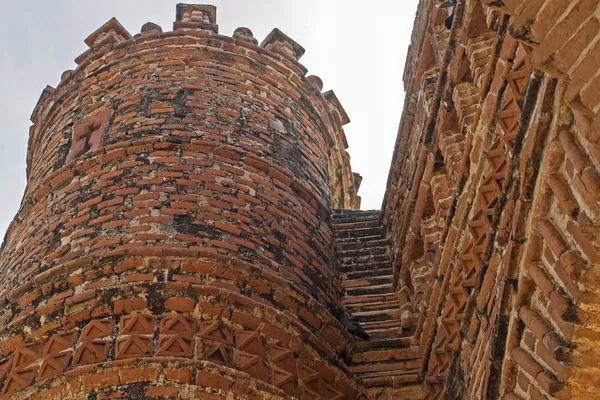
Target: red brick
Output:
{"points": [[180, 304], [228, 228], [129, 305]]}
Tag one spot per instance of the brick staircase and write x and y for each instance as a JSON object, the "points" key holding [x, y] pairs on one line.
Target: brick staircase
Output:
{"points": [[363, 251]]}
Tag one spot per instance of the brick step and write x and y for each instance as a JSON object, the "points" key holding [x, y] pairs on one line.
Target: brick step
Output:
{"points": [[377, 334], [361, 241], [351, 245], [349, 223], [349, 211], [379, 306], [377, 315], [349, 262], [397, 342], [353, 215], [393, 323], [392, 381], [337, 211], [363, 250], [355, 225], [366, 313], [362, 282], [386, 355], [359, 267], [398, 365], [368, 273], [371, 289], [357, 233], [383, 333], [352, 301], [377, 331], [391, 371], [367, 259]]}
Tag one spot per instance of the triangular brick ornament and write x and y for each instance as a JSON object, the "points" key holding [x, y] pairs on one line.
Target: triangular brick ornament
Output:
{"points": [[175, 346], [310, 378], [520, 75], [252, 364], [137, 324], [60, 342], [283, 358], [54, 364], [283, 380], [133, 346], [251, 342], [509, 115], [19, 380], [5, 367], [331, 394], [97, 329], [306, 374], [28, 354], [214, 330], [326, 373], [307, 394], [217, 354], [177, 324], [91, 352]]}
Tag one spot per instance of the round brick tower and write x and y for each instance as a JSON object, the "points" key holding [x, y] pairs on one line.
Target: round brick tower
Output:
{"points": [[174, 238]]}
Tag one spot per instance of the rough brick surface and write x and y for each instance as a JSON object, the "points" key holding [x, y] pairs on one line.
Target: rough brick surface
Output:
{"points": [[189, 228], [175, 236], [492, 202]]}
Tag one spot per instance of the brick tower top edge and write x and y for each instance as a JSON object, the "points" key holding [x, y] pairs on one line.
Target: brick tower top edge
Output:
{"points": [[112, 46]]}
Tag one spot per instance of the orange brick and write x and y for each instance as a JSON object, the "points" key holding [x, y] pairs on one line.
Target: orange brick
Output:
{"points": [[101, 380], [129, 305], [131, 375]]}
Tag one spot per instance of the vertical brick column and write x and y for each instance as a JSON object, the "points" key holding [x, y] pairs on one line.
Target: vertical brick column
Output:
{"points": [[174, 238]]}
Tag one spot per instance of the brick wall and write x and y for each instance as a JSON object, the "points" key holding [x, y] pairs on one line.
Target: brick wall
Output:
{"points": [[176, 237], [492, 200]]}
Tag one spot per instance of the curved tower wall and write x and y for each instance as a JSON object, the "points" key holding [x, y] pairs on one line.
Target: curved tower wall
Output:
{"points": [[174, 236]]}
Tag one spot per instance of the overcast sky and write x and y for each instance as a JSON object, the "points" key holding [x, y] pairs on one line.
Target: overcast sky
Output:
{"points": [[358, 48]]}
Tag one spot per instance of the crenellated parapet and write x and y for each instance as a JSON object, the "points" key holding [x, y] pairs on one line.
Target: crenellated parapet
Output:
{"points": [[196, 17], [112, 41]]}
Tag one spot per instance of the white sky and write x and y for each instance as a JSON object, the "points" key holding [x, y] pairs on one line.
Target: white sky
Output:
{"points": [[357, 48]]}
